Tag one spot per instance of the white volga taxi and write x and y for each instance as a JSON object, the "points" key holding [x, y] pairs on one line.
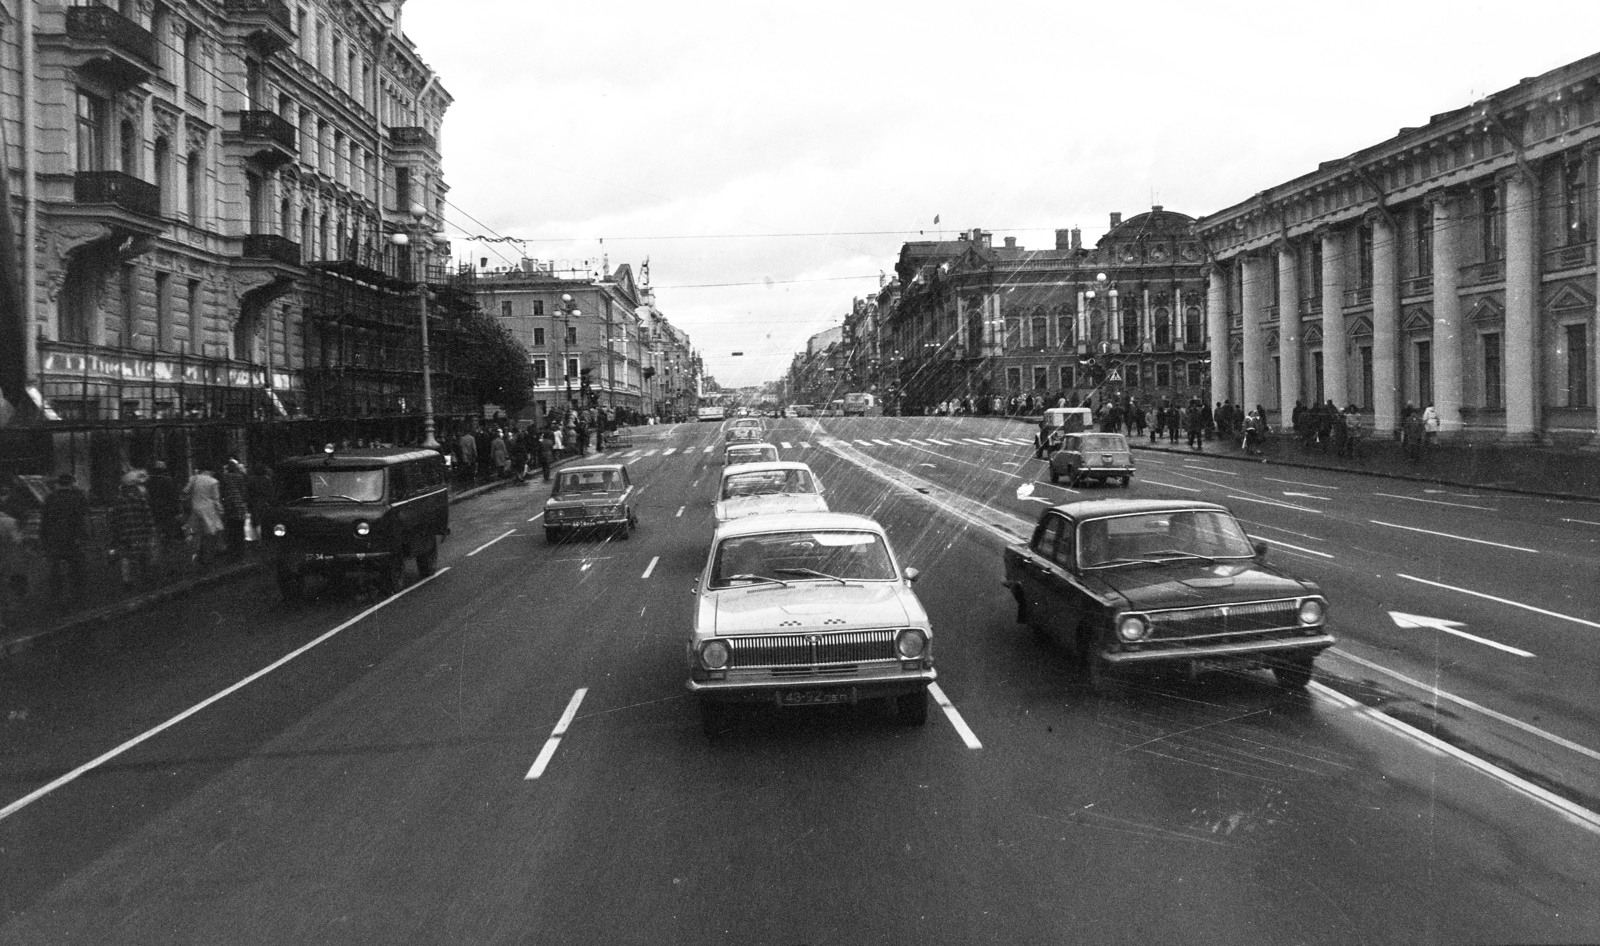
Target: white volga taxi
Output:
{"points": [[750, 489], [808, 609]]}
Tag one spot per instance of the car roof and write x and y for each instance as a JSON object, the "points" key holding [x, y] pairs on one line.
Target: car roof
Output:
{"points": [[796, 522], [750, 445], [1096, 508], [593, 468], [763, 466], [363, 459]]}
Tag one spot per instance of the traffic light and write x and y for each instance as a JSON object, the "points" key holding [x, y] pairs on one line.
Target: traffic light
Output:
{"points": [[583, 380]]}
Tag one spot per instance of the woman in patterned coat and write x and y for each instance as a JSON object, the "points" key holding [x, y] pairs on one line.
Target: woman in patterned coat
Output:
{"points": [[133, 529]]}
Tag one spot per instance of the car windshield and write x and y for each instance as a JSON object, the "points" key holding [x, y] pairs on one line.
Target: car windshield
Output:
{"points": [[752, 456], [362, 486], [1103, 442], [1166, 535], [589, 481], [801, 556], [767, 482]]}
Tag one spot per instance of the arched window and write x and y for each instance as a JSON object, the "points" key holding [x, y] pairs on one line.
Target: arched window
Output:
{"points": [[1065, 328], [1130, 326], [128, 142], [194, 183], [1163, 327], [164, 175], [1193, 329], [1097, 326]]}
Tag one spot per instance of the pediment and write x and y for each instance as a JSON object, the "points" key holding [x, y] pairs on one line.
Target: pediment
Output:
{"points": [[1486, 310], [1417, 320], [1359, 326], [1569, 296]]}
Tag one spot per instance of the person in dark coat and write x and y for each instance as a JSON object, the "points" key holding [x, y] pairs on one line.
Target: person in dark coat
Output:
{"points": [[235, 505], [260, 495], [63, 525], [133, 530], [161, 491], [547, 452]]}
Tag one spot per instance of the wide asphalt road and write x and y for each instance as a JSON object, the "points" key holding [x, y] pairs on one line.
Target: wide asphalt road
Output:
{"points": [[506, 754]]}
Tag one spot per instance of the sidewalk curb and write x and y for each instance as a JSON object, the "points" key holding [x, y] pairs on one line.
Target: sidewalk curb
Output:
{"points": [[157, 596]]}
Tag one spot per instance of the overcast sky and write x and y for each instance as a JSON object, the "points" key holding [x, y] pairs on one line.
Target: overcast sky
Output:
{"points": [[771, 158]]}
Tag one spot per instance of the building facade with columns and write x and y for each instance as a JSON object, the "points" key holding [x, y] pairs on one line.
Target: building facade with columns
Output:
{"points": [[1452, 265], [182, 173]]}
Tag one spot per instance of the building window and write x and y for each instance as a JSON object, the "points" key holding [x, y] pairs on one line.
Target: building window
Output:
{"points": [[1064, 331], [572, 335], [164, 310], [1197, 373], [1193, 328], [1318, 390], [1366, 376], [538, 335], [193, 69], [1130, 327], [572, 369], [1069, 378], [1424, 356], [1163, 327], [1364, 255], [130, 304], [1491, 224], [1013, 379], [1163, 374], [538, 307], [163, 158], [402, 188], [1097, 327], [194, 305], [1013, 336], [1315, 280], [1578, 365], [91, 138], [194, 183], [1041, 378], [505, 310], [1422, 241], [1579, 206], [541, 371], [1493, 391], [1040, 326]]}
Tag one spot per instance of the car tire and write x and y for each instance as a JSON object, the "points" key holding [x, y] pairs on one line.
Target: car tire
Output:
{"points": [[1125, 481], [911, 709], [428, 559], [1100, 677], [393, 576], [1293, 673], [1072, 477], [713, 718], [1054, 476], [625, 531]]}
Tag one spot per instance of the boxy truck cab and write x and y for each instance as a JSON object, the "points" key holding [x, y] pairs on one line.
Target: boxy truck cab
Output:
{"points": [[357, 510]]}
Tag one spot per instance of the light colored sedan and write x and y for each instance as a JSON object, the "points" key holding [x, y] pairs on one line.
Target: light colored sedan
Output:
{"points": [[594, 496], [736, 453], [808, 609], [750, 489]]}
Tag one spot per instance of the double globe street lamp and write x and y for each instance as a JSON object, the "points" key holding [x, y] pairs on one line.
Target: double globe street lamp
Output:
{"points": [[402, 238]]}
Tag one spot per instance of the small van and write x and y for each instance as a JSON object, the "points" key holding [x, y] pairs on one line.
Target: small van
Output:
{"points": [[1090, 455], [1056, 422], [357, 511]]}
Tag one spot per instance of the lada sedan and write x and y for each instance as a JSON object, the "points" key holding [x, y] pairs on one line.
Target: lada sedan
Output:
{"points": [[1085, 456], [736, 453], [1144, 584], [593, 496], [806, 610], [750, 489], [744, 428]]}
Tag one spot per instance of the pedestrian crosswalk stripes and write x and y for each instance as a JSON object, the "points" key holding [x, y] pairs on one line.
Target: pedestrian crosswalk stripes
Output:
{"points": [[785, 445], [638, 453], [804, 445], [669, 451]]}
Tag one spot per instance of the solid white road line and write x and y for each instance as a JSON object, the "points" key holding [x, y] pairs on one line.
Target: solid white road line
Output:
{"points": [[1268, 502], [1187, 489], [536, 518], [1295, 547], [1298, 483], [1582, 522], [1436, 502], [1577, 814], [95, 763], [680, 512], [965, 731], [1447, 535], [550, 745], [651, 567], [1432, 690], [1514, 604], [1207, 469], [1015, 476], [708, 449], [489, 543]]}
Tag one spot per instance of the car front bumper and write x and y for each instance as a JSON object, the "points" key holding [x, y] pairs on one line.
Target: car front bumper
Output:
{"points": [[1287, 647], [854, 687]]}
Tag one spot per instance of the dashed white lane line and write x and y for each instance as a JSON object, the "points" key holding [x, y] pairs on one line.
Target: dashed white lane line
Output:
{"points": [[805, 445], [1299, 483], [554, 741], [1295, 547], [1207, 469], [1187, 489], [902, 443], [1268, 502], [882, 443], [864, 443], [1576, 814], [1514, 604], [708, 449], [1447, 535], [651, 567], [537, 518], [669, 451], [100, 760], [785, 445], [962, 729], [491, 542], [1015, 476], [1436, 502], [680, 512]]}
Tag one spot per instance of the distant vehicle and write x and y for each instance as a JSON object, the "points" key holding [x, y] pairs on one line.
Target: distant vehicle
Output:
{"points": [[749, 453], [861, 405], [1084, 456], [750, 489], [595, 496], [715, 412], [801, 410], [1056, 422], [835, 408], [744, 428]]}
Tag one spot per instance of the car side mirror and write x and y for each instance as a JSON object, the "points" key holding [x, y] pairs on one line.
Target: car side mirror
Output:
{"points": [[1261, 549], [911, 574]]}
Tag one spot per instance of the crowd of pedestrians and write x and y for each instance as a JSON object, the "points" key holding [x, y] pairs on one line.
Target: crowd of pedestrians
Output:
{"points": [[500, 450]]}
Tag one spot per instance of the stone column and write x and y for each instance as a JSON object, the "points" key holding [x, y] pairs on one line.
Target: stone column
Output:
{"points": [[1385, 325], [1289, 357], [1591, 156], [1335, 344], [1216, 318], [1254, 275], [1523, 382], [1081, 319], [1446, 315]]}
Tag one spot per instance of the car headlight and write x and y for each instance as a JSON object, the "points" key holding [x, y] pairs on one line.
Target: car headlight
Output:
{"points": [[1312, 611], [910, 643], [714, 655], [280, 530], [1132, 627], [363, 528], [611, 511]]}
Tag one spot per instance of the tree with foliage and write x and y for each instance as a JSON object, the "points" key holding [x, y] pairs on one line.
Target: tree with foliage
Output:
{"points": [[494, 363]]}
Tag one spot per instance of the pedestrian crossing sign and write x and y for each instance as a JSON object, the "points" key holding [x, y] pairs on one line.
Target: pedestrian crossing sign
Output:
{"points": [[1115, 375]]}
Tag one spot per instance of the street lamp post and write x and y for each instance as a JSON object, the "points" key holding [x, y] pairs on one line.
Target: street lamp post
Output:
{"points": [[1105, 290], [568, 313], [401, 239]]}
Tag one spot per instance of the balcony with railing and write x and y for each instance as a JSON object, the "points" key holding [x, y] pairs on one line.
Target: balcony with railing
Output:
{"points": [[1476, 274], [265, 24], [107, 46], [270, 246], [412, 137], [123, 191], [263, 137], [1417, 286], [1360, 296], [1562, 258]]}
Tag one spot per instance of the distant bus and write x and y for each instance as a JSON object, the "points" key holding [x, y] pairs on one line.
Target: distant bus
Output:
{"points": [[860, 405], [713, 412]]}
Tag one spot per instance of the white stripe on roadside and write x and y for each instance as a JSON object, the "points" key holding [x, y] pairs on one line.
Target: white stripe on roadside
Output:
{"points": [[965, 731], [1436, 502], [1187, 489], [1514, 604], [95, 763], [491, 542], [554, 741], [1268, 502], [785, 445], [1295, 547], [1447, 535], [651, 567], [536, 518]]}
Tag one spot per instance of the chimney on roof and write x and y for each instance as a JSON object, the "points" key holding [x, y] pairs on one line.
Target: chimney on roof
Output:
{"points": [[1063, 239], [1116, 218], [1011, 243], [1077, 239], [1156, 209]]}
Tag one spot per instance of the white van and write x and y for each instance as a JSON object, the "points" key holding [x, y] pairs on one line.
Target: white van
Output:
{"points": [[1057, 422]]}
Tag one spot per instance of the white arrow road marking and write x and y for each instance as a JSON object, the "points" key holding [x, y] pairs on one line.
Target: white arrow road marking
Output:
{"points": [[967, 735], [1403, 619], [1514, 604], [550, 745], [1447, 535]]}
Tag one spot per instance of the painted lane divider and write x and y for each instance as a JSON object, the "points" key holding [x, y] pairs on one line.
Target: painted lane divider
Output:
{"points": [[962, 729], [491, 542], [651, 567], [550, 745]]}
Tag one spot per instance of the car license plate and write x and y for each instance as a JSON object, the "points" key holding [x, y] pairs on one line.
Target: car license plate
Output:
{"points": [[812, 697]]}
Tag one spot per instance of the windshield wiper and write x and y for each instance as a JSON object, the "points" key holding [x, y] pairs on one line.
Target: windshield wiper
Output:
{"points": [[320, 498], [1186, 555], [766, 579], [813, 573]]}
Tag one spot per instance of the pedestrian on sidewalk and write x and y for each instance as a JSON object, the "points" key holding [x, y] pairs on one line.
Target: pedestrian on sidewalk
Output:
{"points": [[161, 491], [235, 505], [547, 452], [260, 496], [1192, 421], [1430, 425], [133, 530], [467, 455], [63, 526], [202, 496], [499, 455]]}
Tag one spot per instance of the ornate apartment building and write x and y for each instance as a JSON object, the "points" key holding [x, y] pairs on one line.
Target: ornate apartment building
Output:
{"points": [[207, 189], [1452, 264]]}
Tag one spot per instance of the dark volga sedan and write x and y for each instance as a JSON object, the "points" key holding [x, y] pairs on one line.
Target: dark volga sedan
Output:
{"points": [[1149, 584]]}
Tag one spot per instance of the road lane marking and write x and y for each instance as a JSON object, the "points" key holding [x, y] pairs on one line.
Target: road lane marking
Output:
{"points": [[1447, 535], [1514, 604], [651, 567], [864, 443], [786, 445], [1207, 469], [669, 451], [550, 745], [965, 731], [1038, 499], [1437, 502], [680, 512], [942, 443], [491, 542], [1295, 547], [1187, 489], [902, 442], [1015, 476], [100, 760], [1583, 522], [536, 518], [1298, 483], [804, 445], [882, 443], [708, 449], [1577, 814], [1402, 619], [1434, 691], [1269, 502]]}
